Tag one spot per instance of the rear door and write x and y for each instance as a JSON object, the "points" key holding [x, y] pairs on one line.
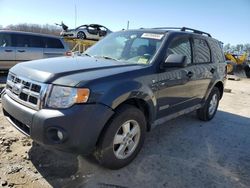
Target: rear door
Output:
{"points": [[7, 51], [53, 47], [204, 66], [93, 32], [28, 47]]}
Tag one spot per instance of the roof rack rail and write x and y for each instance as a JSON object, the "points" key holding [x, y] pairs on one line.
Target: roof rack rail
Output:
{"points": [[168, 28], [185, 29], [195, 31]]}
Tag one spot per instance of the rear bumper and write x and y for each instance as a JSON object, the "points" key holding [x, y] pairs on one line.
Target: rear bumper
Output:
{"points": [[79, 124]]}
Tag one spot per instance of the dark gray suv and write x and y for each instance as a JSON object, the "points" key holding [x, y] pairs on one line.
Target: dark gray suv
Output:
{"points": [[105, 101], [16, 47]]}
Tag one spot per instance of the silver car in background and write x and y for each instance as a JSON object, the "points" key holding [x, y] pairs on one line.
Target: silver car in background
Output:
{"points": [[92, 32], [16, 47]]}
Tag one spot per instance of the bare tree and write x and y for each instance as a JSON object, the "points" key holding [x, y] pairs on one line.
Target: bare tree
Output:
{"points": [[35, 28]]}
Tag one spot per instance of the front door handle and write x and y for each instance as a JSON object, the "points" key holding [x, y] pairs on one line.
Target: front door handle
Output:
{"points": [[190, 74], [8, 50], [21, 51]]}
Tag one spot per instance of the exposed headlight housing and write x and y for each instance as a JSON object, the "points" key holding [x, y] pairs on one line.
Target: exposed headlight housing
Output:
{"points": [[65, 97]]}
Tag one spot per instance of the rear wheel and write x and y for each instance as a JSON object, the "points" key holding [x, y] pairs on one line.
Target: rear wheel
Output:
{"points": [[123, 138], [208, 111], [81, 35]]}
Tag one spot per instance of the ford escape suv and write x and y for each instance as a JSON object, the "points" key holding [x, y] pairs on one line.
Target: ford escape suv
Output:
{"points": [[103, 102], [17, 46]]}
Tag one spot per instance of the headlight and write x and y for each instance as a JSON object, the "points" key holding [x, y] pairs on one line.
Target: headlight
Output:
{"points": [[65, 97]]}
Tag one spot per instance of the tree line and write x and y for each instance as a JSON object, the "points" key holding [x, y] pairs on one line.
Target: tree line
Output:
{"points": [[55, 30], [35, 28], [237, 49]]}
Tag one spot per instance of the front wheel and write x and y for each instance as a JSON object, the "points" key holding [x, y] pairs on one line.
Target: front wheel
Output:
{"points": [[123, 138], [208, 111]]}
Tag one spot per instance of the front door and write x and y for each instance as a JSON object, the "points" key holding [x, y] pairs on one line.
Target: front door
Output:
{"points": [[176, 86]]}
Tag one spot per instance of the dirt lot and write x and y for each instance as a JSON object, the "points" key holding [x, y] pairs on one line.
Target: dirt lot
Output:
{"points": [[185, 152]]}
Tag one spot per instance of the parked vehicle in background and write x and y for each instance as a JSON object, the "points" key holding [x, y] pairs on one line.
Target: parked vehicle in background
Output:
{"points": [[92, 32], [16, 47], [105, 101]]}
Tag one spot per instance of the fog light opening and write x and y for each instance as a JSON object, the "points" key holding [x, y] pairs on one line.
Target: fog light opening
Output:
{"points": [[56, 135]]}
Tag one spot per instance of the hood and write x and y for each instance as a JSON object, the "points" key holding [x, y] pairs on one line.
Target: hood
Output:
{"points": [[53, 70]]}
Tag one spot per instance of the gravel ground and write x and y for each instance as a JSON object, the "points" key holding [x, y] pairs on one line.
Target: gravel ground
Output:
{"points": [[184, 152]]}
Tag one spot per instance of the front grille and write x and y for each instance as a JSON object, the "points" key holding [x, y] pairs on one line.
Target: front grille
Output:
{"points": [[25, 91]]}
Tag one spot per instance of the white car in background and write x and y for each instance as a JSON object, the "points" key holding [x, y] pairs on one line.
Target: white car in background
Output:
{"points": [[92, 32]]}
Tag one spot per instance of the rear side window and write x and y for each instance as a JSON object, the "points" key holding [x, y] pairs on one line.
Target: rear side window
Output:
{"points": [[218, 55], [201, 51], [5, 40], [53, 43], [36, 42], [21, 40], [28, 41], [180, 46]]}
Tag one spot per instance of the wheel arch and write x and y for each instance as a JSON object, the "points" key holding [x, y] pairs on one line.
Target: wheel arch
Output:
{"points": [[138, 103], [220, 86]]}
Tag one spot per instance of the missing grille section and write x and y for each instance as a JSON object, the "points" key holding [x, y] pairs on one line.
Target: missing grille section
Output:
{"points": [[19, 125]]}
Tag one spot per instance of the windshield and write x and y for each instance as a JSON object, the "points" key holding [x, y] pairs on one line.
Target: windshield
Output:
{"points": [[132, 47]]}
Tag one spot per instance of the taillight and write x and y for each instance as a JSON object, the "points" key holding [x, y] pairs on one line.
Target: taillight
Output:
{"points": [[69, 53]]}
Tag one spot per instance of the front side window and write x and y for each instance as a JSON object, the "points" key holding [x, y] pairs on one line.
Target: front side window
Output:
{"points": [[201, 51], [5, 40], [132, 47], [180, 46]]}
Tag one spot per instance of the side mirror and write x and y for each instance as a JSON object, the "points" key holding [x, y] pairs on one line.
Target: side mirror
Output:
{"points": [[175, 60]]}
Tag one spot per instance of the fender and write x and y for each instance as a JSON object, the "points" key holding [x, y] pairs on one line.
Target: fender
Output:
{"points": [[211, 87], [120, 93]]}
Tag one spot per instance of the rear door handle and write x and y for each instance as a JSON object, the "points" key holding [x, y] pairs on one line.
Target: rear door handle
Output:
{"points": [[21, 51], [190, 74], [212, 70], [8, 50]]}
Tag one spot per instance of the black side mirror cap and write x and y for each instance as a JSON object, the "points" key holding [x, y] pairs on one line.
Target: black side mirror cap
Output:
{"points": [[175, 60]]}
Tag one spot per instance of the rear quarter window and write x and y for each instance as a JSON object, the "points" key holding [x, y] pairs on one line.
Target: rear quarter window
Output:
{"points": [[201, 51], [53, 43], [217, 52]]}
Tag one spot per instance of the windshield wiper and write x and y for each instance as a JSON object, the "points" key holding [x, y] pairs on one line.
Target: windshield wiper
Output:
{"points": [[107, 57], [87, 55]]}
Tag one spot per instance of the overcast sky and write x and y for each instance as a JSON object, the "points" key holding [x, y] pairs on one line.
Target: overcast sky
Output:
{"points": [[226, 20]]}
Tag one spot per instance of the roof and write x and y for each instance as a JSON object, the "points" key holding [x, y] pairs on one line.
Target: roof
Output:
{"points": [[29, 33], [176, 29]]}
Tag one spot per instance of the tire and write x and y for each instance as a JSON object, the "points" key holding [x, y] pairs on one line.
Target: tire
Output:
{"points": [[81, 35], [126, 118], [247, 70], [208, 111], [231, 68]]}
